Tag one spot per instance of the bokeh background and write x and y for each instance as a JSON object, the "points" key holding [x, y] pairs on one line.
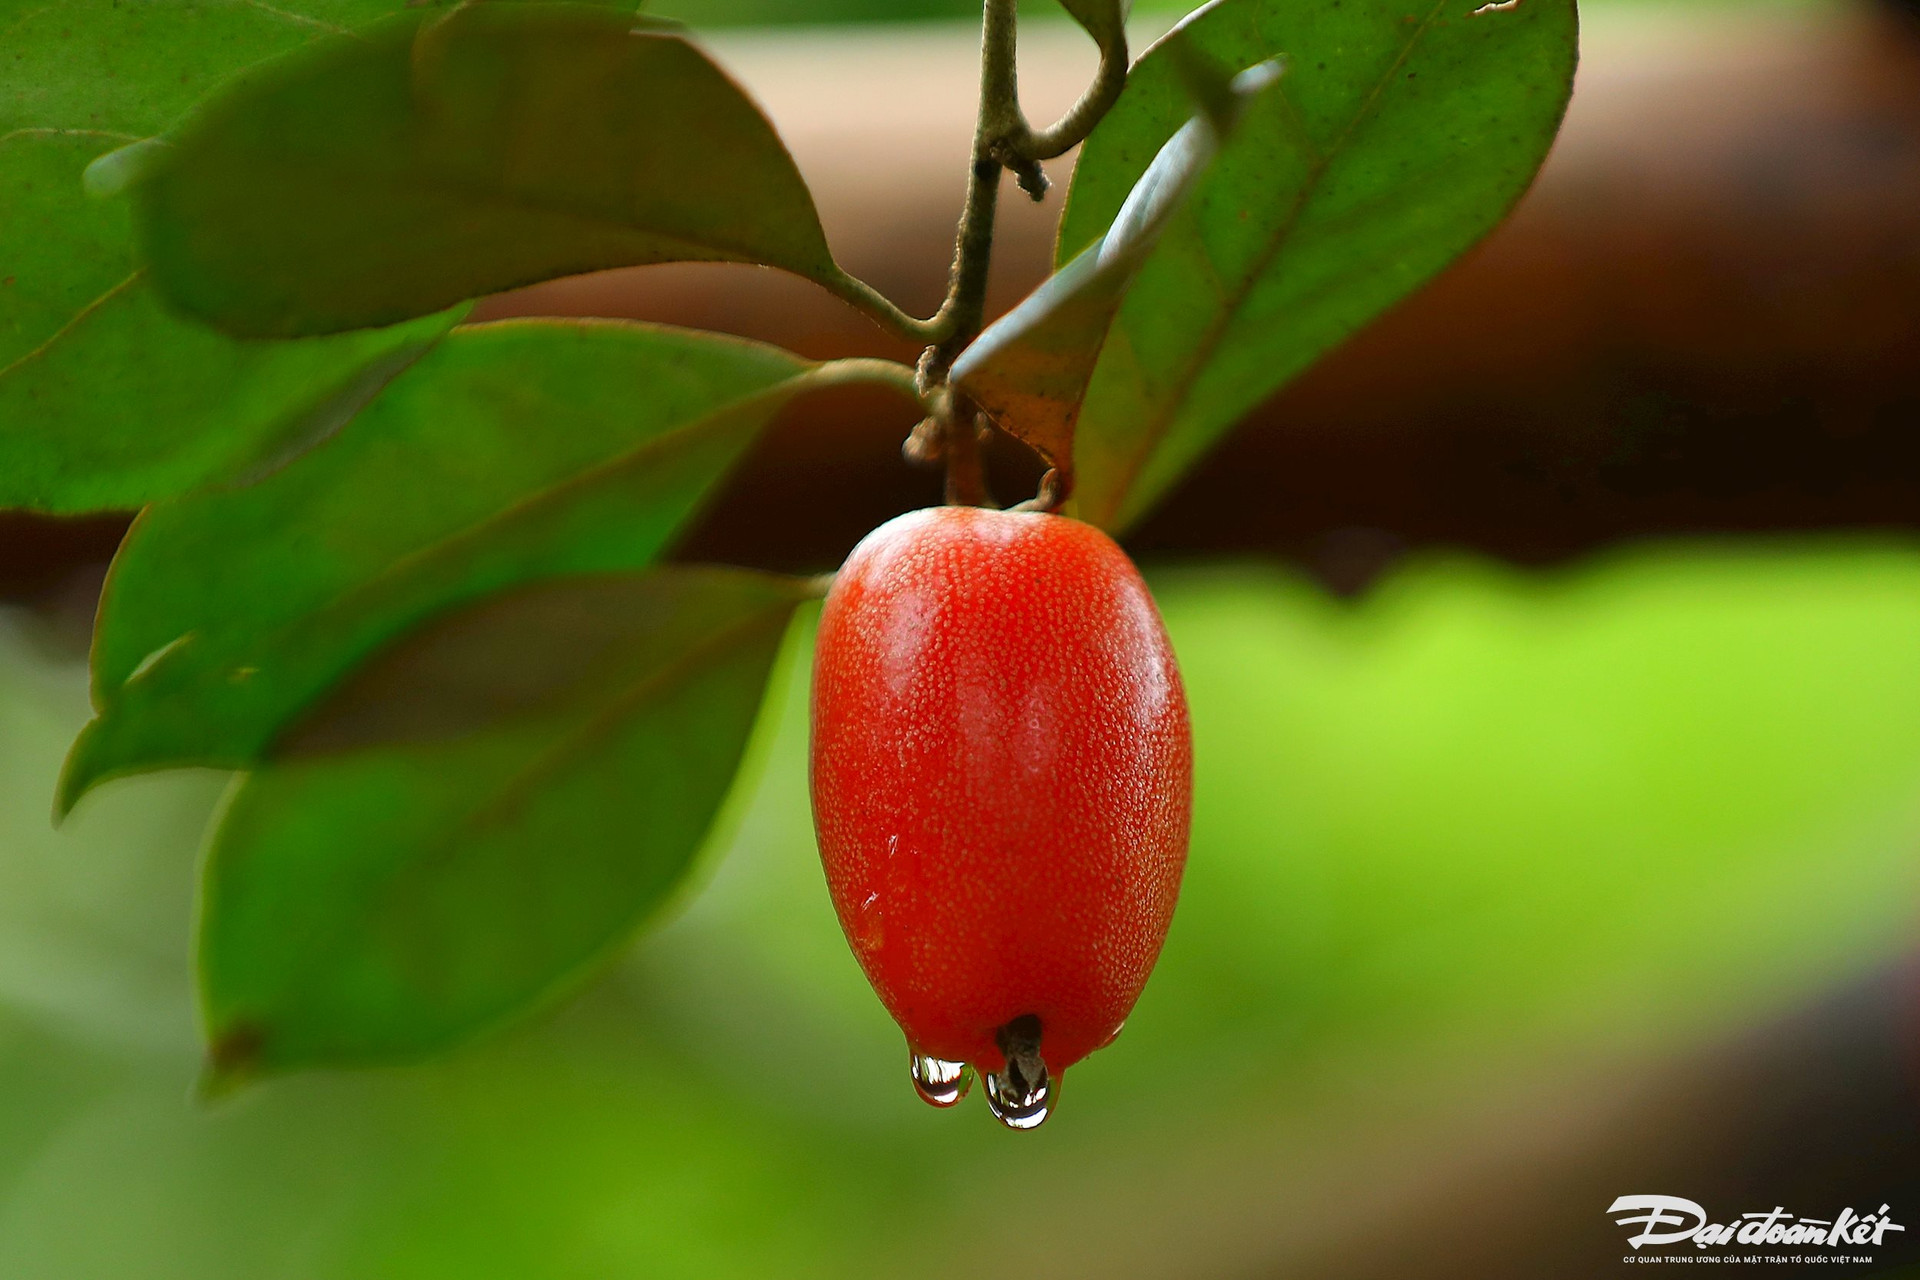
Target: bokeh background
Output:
{"points": [[1554, 653]]}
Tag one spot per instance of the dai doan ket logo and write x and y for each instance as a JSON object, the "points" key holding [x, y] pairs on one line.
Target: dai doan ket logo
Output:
{"points": [[1654, 1214]]}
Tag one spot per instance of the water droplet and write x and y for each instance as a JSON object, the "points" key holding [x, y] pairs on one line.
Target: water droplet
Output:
{"points": [[938, 1081], [1017, 1102]]}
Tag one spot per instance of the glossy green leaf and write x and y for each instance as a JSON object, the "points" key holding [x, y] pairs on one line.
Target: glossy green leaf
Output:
{"points": [[83, 77], [438, 158], [480, 815], [106, 400], [132, 404], [1030, 369], [514, 451], [1403, 131]]}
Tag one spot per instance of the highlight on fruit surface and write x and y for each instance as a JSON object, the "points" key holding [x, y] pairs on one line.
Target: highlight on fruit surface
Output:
{"points": [[1002, 775]]}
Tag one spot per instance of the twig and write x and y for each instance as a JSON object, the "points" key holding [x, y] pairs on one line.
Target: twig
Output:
{"points": [[1002, 139]]}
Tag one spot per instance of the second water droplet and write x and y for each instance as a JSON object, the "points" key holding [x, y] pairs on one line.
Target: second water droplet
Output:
{"points": [[1017, 1103], [938, 1081]]}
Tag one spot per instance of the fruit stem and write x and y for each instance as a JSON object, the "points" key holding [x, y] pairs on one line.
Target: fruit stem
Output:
{"points": [[966, 479], [1002, 139]]}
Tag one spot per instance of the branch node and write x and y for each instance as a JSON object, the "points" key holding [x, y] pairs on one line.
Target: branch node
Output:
{"points": [[1026, 171]]}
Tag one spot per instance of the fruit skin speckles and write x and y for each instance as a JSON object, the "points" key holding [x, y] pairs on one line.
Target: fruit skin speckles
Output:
{"points": [[1002, 775]]}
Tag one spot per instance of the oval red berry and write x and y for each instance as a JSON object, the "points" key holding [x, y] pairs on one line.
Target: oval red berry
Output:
{"points": [[1002, 783]]}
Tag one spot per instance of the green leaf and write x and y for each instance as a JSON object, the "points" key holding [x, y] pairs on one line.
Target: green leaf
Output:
{"points": [[1402, 133], [438, 158], [514, 451], [105, 399], [59, 250], [480, 815], [1030, 369], [132, 405]]}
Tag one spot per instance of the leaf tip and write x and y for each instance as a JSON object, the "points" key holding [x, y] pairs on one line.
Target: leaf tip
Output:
{"points": [[79, 774], [234, 1061], [117, 171]]}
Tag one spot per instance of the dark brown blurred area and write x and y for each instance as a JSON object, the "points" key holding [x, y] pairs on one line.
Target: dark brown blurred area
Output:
{"points": [[1815, 1113], [1705, 319]]}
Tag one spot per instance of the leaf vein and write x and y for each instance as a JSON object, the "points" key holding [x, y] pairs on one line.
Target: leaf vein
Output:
{"points": [[78, 317], [300, 18], [583, 739], [50, 131]]}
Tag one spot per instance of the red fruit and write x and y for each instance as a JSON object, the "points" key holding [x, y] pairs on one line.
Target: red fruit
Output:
{"points": [[1002, 781]]}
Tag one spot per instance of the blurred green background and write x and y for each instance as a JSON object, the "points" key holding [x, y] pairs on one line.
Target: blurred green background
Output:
{"points": [[1473, 858]]}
